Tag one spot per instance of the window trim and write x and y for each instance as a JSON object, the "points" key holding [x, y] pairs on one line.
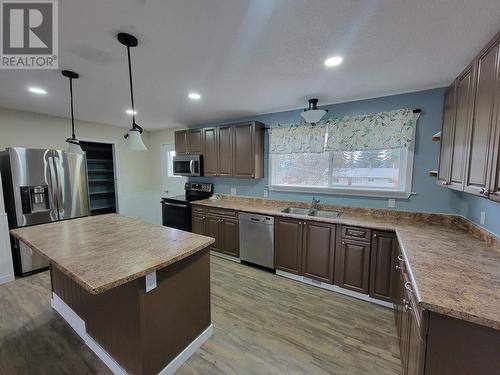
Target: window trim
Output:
{"points": [[363, 192]]}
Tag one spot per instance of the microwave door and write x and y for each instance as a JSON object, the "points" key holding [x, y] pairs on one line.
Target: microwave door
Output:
{"points": [[72, 185], [182, 167]]}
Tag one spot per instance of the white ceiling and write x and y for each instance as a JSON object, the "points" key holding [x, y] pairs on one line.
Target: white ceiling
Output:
{"points": [[249, 56]]}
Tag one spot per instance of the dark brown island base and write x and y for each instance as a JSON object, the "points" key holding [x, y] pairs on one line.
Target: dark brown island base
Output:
{"points": [[137, 294]]}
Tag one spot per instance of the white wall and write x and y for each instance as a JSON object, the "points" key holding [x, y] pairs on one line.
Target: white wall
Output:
{"points": [[134, 169]]}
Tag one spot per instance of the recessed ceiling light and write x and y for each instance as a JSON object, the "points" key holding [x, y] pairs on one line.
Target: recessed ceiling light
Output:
{"points": [[130, 112], [333, 61], [194, 96], [37, 90]]}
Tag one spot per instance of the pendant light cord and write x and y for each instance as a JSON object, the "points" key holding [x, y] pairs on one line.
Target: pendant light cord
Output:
{"points": [[131, 86], [72, 113]]}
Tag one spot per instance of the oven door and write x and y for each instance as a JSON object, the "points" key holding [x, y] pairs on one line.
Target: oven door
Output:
{"points": [[176, 215], [187, 165]]}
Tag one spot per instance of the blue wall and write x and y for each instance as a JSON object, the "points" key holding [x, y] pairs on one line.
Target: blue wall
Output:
{"points": [[472, 207], [429, 197]]}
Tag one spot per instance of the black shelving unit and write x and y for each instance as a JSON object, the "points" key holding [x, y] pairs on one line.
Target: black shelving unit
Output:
{"points": [[101, 173]]}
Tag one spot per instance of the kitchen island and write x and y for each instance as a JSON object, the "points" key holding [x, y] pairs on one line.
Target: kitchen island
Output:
{"points": [[137, 294]]}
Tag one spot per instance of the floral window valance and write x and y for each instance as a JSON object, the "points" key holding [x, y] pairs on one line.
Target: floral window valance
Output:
{"points": [[384, 130], [297, 138]]}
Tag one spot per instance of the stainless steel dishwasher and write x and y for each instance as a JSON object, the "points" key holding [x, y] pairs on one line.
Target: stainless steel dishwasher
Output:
{"points": [[257, 239]]}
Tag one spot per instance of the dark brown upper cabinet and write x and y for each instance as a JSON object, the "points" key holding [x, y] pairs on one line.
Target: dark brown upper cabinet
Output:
{"points": [[188, 142], [248, 139], [462, 123], [480, 151], [233, 150], [495, 168], [288, 245], [225, 147], [447, 133], [382, 264], [470, 138], [210, 152], [318, 250]]}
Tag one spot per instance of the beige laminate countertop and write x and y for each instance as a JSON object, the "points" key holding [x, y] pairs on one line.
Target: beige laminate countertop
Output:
{"points": [[103, 252], [455, 273]]}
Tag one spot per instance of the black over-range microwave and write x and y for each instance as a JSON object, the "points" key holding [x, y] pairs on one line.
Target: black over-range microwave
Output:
{"points": [[188, 165]]}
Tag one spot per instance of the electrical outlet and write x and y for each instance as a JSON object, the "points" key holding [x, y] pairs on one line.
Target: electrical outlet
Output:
{"points": [[266, 193], [391, 203], [233, 191], [483, 218]]}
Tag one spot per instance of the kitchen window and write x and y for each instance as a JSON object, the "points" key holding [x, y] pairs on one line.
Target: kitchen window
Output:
{"points": [[346, 156], [385, 173]]}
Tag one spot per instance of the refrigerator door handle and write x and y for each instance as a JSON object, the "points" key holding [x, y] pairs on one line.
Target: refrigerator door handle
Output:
{"points": [[60, 180], [54, 186]]}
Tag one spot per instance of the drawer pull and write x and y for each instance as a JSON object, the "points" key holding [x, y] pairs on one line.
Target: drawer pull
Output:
{"points": [[355, 233], [408, 287]]}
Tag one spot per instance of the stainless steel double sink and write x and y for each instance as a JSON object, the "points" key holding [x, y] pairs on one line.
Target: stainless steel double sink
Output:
{"points": [[311, 212]]}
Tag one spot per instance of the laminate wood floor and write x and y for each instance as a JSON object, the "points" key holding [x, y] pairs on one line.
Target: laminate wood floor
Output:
{"points": [[263, 324]]}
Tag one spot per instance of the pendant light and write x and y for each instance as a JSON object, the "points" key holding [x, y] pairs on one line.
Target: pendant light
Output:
{"points": [[133, 137], [313, 115], [73, 142]]}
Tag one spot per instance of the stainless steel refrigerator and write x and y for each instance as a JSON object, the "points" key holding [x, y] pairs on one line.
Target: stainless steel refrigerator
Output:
{"points": [[41, 186]]}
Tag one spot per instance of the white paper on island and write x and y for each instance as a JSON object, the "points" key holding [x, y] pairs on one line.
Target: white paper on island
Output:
{"points": [[150, 281]]}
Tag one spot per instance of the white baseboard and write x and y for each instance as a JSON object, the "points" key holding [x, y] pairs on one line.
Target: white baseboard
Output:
{"points": [[183, 356], [78, 325], [333, 288], [224, 256]]}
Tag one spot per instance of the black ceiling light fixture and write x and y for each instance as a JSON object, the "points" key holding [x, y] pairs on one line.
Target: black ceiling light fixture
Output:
{"points": [[73, 142], [133, 137], [313, 115]]}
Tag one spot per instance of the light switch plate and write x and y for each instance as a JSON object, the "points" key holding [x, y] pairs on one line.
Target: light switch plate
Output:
{"points": [[483, 218], [233, 191], [266, 193], [391, 203], [150, 281]]}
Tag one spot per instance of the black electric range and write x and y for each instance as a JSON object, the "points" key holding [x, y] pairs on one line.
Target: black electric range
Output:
{"points": [[176, 211]]}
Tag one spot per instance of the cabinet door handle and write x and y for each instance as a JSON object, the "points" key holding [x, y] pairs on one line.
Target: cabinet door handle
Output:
{"points": [[400, 258], [375, 235], [343, 242], [408, 287], [398, 267]]}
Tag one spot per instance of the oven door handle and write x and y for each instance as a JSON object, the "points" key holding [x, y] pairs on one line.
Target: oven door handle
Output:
{"points": [[175, 204]]}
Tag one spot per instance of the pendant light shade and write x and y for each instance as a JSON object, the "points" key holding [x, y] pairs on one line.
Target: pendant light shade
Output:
{"points": [[133, 137], [134, 140], [313, 115], [73, 143]]}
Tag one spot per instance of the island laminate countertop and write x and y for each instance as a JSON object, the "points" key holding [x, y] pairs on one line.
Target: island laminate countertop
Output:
{"points": [[454, 273], [103, 252]]}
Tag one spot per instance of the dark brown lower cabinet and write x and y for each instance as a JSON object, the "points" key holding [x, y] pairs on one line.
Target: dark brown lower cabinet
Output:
{"points": [[353, 268], [199, 224], [213, 224], [318, 249], [382, 263], [229, 232], [288, 245], [224, 228]]}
